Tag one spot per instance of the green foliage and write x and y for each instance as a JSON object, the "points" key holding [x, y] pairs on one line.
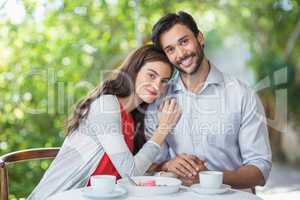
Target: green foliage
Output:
{"points": [[43, 59]]}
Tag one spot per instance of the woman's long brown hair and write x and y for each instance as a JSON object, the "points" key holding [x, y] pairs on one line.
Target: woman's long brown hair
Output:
{"points": [[121, 86]]}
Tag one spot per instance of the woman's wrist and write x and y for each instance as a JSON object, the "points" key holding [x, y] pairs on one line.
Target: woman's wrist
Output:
{"points": [[163, 129], [160, 135]]}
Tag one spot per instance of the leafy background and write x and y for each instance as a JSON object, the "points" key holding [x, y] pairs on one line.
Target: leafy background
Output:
{"points": [[53, 51]]}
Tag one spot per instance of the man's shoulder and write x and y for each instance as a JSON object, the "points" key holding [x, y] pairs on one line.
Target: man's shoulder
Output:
{"points": [[235, 85]]}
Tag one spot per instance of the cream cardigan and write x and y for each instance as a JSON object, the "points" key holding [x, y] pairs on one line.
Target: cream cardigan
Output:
{"points": [[83, 149]]}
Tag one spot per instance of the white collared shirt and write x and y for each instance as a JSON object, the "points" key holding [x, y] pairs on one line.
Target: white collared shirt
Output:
{"points": [[224, 124]]}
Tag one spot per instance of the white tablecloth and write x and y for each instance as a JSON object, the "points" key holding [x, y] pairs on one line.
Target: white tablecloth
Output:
{"points": [[183, 194]]}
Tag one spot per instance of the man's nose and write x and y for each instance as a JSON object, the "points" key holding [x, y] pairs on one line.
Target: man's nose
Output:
{"points": [[180, 52]]}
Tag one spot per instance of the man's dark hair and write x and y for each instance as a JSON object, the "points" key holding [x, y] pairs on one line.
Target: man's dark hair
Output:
{"points": [[168, 21]]}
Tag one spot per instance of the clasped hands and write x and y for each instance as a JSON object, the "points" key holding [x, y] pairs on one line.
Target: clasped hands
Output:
{"points": [[186, 167]]}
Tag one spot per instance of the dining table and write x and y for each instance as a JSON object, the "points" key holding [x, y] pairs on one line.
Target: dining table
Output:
{"points": [[182, 194]]}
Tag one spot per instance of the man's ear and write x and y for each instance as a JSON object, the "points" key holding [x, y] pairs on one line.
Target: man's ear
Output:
{"points": [[200, 38]]}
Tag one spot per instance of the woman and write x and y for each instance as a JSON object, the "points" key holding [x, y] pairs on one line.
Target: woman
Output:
{"points": [[101, 137]]}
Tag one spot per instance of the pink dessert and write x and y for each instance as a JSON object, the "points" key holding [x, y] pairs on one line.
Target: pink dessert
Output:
{"points": [[148, 183]]}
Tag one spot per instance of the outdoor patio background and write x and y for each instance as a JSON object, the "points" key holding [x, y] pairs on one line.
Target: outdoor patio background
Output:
{"points": [[53, 51]]}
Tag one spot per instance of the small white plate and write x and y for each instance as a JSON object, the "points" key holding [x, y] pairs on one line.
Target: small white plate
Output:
{"points": [[167, 186], [91, 192], [200, 190]]}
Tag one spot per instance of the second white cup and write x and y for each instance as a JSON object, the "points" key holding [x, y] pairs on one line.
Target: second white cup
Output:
{"points": [[211, 179]]}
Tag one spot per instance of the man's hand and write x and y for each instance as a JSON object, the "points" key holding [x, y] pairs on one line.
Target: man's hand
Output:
{"points": [[184, 166]]}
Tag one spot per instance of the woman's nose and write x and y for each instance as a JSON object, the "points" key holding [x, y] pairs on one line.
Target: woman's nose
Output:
{"points": [[157, 84]]}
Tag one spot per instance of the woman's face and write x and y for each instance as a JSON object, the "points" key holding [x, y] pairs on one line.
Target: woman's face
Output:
{"points": [[151, 80]]}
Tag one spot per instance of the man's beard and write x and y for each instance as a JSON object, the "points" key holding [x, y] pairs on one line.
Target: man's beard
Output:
{"points": [[199, 55]]}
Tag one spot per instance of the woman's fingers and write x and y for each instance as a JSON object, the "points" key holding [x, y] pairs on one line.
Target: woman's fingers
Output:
{"points": [[170, 113], [188, 165], [178, 171], [169, 104], [181, 167], [188, 168], [175, 167], [172, 104], [165, 108], [191, 161], [161, 106]]}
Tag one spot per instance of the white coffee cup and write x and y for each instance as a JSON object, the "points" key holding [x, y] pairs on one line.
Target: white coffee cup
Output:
{"points": [[105, 183], [211, 179]]}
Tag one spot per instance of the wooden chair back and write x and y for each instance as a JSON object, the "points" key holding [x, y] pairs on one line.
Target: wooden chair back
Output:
{"points": [[19, 156]]}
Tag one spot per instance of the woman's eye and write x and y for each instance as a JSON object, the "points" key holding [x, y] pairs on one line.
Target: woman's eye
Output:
{"points": [[151, 76]]}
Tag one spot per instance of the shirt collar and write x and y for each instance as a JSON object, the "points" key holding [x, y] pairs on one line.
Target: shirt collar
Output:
{"points": [[214, 77]]}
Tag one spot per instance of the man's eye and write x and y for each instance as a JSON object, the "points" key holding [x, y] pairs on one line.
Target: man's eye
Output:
{"points": [[184, 41], [170, 50]]}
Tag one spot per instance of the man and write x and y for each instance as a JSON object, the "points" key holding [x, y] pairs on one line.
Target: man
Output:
{"points": [[223, 125]]}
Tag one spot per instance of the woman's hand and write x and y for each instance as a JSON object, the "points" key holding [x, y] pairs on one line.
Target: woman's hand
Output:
{"points": [[184, 166], [169, 113]]}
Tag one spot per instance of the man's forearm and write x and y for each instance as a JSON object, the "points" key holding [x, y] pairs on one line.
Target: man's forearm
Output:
{"points": [[245, 177]]}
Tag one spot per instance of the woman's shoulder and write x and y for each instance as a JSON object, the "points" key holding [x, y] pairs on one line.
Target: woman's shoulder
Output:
{"points": [[106, 103]]}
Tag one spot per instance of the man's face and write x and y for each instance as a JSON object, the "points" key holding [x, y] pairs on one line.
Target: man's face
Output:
{"points": [[183, 48]]}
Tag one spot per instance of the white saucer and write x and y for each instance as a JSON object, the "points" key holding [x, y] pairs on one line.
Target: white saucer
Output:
{"points": [[200, 190], [91, 192]]}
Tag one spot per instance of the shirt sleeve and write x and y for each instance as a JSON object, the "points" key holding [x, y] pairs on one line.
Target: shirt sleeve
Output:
{"points": [[104, 121], [253, 135], [151, 124]]}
